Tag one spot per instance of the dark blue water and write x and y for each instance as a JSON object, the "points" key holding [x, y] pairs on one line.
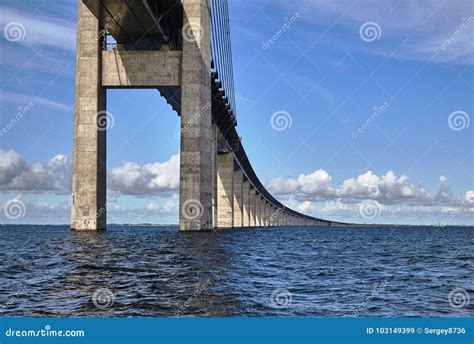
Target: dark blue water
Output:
{"points": [[157, 271]]}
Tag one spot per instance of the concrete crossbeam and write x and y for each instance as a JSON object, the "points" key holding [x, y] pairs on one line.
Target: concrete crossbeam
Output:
{"points": [[146, 69]]}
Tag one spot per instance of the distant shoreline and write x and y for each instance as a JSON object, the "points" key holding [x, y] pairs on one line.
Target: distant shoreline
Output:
{"points": [[176, 225]]}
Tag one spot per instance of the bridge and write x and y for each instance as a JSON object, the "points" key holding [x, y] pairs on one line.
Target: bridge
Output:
{"points": [[182, 48]]}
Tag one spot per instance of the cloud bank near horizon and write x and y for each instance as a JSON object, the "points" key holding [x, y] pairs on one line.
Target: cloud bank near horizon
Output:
{"points": [[313, 193]]}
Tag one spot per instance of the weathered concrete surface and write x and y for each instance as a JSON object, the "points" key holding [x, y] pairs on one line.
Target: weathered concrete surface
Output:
{"points": [[212, 193], [274, 216], [246, 204], [264, 213], [225, 190], [214, 175], [89, 169], [148, 69], [253, 208], [238, 197], [258, 210], [196, 121]]}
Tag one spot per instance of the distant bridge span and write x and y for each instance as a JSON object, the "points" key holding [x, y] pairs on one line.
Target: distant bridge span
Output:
{"points": [[181, 48]]}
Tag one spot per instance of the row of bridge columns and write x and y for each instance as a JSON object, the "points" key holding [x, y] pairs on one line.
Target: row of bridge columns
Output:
{"points": [[238, 203], [215, 191]]}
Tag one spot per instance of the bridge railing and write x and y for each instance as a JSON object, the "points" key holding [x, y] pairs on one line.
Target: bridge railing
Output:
{"points": [[222, 50]]}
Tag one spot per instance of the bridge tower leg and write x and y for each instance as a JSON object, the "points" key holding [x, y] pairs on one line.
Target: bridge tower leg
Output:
{"points": [[89, 157], [196, 179]]}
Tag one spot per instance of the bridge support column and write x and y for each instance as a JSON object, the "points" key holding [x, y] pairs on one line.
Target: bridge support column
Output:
{"points": [[238, 197], [89, 171], [214, 174], [196, 121], [246, 203], [265, 213], [278, 217], [268, 212], [253, 207], [275, 215], [258, 212], [225, 190]]}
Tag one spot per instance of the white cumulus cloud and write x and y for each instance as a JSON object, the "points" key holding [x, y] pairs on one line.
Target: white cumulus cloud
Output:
{"points": [[386, 189], [17, 175], [155, 178]]}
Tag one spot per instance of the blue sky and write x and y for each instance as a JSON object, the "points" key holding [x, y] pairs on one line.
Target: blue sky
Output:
{"points": [[370, 115]]}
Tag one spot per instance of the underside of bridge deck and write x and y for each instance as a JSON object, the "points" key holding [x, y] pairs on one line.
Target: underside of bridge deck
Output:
{"points": [[175, 47]]}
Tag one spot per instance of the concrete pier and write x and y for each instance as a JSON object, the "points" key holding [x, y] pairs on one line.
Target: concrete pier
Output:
{"points": [[225, 190], [90, 123], [238, 197], [246, 203], [218, 187], [196, 120], [253, 208]]}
